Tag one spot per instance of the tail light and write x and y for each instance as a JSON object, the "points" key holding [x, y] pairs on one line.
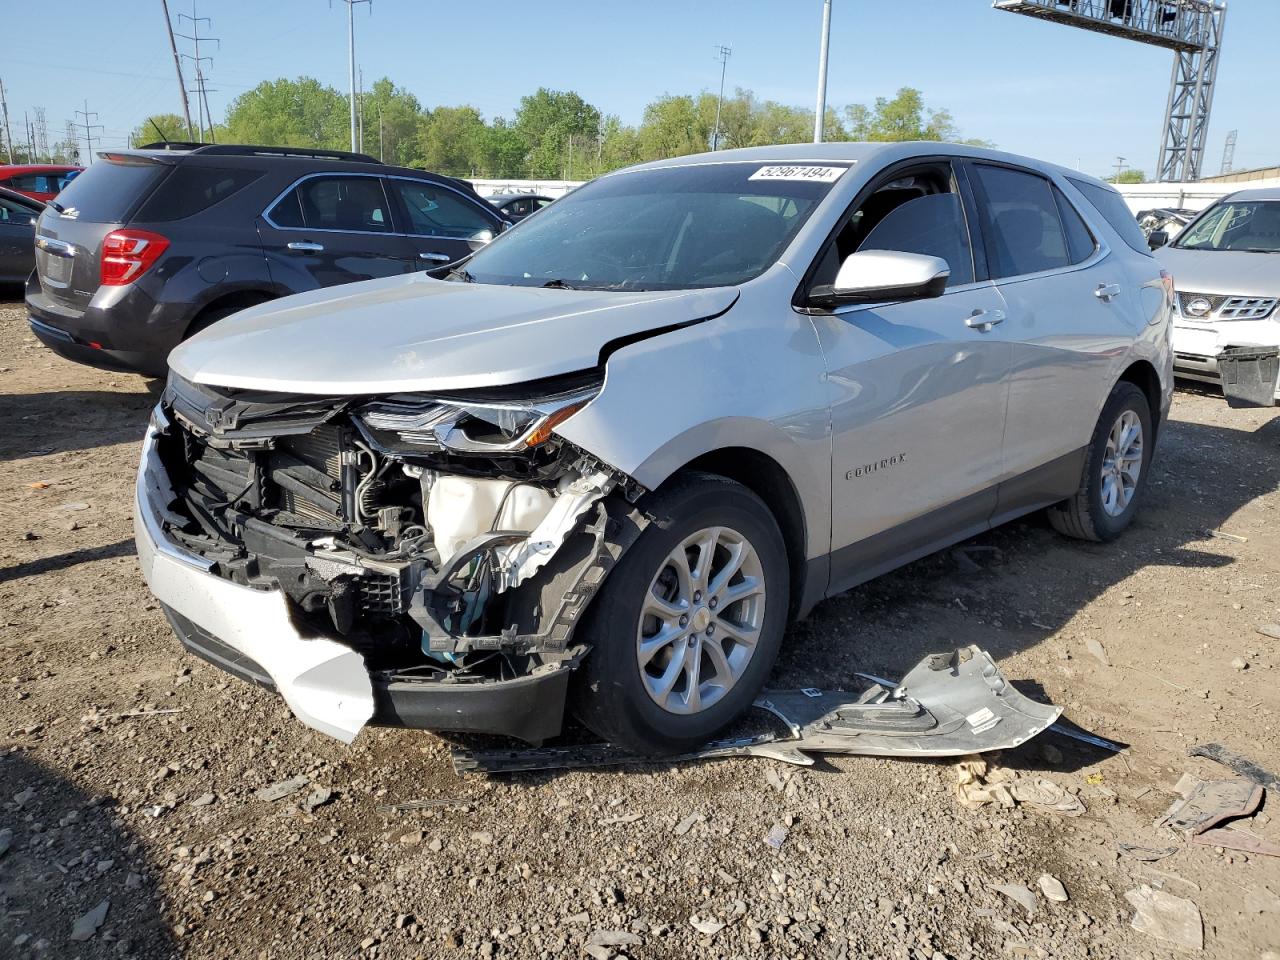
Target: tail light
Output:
{"points": [[128, 254]]}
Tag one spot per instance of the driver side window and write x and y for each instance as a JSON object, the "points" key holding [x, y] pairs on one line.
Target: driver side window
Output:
{"points": [[916, 213]]}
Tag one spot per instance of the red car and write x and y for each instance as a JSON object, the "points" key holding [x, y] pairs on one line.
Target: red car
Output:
{"points": [[40, 181]]}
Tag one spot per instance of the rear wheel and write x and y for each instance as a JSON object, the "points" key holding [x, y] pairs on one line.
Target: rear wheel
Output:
{"points": [[686, 628], [1115, 470]]}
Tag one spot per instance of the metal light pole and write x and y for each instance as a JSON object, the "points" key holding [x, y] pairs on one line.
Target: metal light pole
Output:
{"points": [[820, 112], [351, 62], [1120, 162], [723, 54]]}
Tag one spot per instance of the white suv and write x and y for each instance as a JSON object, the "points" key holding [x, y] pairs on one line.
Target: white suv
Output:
{"points": [[607, 458]]}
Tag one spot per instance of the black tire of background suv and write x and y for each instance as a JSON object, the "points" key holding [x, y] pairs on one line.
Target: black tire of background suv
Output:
{"points": [[608, 696], [1082, 516]]}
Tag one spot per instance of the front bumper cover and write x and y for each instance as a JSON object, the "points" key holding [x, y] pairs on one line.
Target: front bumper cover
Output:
{"points": [[251, 634]]}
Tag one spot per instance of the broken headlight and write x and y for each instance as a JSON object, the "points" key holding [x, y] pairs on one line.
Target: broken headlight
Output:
{"points": [[413, 424]]}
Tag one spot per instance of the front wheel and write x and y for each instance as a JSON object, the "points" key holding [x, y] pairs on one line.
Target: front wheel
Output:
{"points": [[1115, 470], [687, 627]]}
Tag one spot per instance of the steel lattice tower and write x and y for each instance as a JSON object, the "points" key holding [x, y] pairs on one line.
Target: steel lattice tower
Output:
{"points": [[1192, 29]]}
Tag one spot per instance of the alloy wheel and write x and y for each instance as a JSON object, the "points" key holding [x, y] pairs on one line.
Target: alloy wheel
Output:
{"points": [[1122, 463], [701, 620]]}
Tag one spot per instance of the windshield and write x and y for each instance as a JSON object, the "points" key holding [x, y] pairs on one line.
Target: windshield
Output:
{"points": [[1253, 226], [677, 228]]}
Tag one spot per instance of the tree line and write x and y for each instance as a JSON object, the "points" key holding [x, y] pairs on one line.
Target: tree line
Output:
{"points": [[552, 135]]}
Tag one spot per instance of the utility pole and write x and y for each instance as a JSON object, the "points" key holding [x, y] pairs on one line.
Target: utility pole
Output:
{"points": [[382, 142], [1120, 162], [723, 54], [177, 65], [351, 62], [820, 112], [202, 90], [360, 91], [40, 131], [88, 126], [8, 135]]}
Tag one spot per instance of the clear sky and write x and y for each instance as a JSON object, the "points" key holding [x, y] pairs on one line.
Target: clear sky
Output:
{"points": [[1036, 88]]}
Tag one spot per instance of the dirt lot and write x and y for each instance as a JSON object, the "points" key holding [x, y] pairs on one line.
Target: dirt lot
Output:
{"points": [[157, 813]]}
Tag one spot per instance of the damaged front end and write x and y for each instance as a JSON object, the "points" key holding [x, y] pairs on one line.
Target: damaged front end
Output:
{"points": [[452, 543]]}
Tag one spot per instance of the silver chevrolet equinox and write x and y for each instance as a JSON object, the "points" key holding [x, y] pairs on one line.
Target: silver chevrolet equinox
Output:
{"points": [[606, 459]]}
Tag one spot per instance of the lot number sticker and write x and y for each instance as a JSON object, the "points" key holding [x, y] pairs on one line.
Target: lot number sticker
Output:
{"points": [[815, 174]]}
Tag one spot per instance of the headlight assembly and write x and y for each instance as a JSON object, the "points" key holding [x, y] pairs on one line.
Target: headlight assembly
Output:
{"points": [[412, 424]]}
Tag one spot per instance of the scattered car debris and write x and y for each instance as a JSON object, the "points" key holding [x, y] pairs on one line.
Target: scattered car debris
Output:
{"points": [[706, 927], [285, 788], [87, 925], [1146, 854], [1223, 535], [1232, 839], [950, 704], [687, 824], [978, 785], [614, 938], [1052, 888], [316, 799], [777, 836], [1237, 764], [1019, 894], [1207, 803], [1166, 917], [407, 805]]}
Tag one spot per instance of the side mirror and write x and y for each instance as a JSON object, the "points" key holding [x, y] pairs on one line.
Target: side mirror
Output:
{"points": [[877, 276], [1157, 239], [479, 239], [506, 225]]}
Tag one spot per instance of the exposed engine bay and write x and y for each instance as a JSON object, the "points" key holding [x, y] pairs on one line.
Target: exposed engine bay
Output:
{"points": [[444, 538]]}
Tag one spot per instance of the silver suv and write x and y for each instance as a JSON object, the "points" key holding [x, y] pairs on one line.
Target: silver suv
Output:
{"points": [[604, 461], [1226, 267]]}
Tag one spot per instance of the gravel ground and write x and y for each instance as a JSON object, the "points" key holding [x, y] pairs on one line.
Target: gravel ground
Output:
{"points": [[129, 770]]}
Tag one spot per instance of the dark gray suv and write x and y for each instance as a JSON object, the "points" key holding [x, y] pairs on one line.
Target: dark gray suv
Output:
{"points": [[149, 246]]}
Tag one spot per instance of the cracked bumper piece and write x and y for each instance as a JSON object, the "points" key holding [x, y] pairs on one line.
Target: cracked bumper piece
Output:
{"points": [[250, 634]]}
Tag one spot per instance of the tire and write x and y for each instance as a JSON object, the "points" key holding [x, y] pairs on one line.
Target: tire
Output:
{"points": [[614, 694], [208, 318], [1097, 511]]}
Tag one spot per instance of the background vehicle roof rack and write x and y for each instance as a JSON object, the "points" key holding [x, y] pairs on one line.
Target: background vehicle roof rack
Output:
{"points": [[240, 149]]}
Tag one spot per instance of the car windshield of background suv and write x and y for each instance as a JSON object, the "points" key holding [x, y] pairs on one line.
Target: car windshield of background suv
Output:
{"points": [[667, 229], [1253, 227]]}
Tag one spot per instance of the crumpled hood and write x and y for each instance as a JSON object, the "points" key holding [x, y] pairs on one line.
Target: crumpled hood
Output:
{"points": [[414, 333], [1223, 272]]}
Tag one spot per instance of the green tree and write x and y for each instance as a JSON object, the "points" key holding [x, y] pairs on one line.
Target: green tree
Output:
{"points": [[450, 141], [546, 120], [619, 145], [904, 117], [672, 127], [160, 126], [293, 113], [1129, 176], [502, 150], [392, 118]]}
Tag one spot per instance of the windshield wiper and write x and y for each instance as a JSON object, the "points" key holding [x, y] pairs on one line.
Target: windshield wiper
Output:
{"points": [[559, 284], [457, 273], [1261, 250]]}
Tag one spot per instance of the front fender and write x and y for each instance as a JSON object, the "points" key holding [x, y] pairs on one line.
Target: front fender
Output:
{"points": [[751, 378]]}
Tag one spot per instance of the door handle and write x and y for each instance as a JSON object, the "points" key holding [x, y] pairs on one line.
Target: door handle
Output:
{"points": [[984, 320], [306, 246], [1107, 292], [436, 257]]}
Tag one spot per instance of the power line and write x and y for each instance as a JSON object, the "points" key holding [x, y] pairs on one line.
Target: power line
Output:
{"points": [[89, 125], [723, 53], [202, 89], [8, 135], [351, 61], [177, 65]]}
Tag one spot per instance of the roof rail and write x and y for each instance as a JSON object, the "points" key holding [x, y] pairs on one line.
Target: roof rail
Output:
{"points": [[240, 149], [170, 145]]}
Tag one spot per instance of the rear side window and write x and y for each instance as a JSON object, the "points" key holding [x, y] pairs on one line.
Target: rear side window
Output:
{"points": [[353, 204], [439, 212], [1116, 212], [108, 190], [1021, 222], [1080, 242], [191, 189]]}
